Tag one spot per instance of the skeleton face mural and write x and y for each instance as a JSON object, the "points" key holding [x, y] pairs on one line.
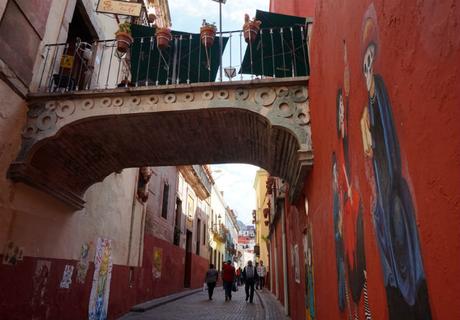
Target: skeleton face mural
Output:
{"points": [[368, 69]]}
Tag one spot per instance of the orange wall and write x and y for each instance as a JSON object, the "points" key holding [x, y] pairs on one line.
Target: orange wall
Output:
{"points": [[418, 61], [305, 8]]}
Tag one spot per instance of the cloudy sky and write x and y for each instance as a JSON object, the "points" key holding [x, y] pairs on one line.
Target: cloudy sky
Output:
{"points": [[236, 180]]}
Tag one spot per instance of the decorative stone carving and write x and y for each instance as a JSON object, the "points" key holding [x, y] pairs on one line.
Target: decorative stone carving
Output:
{"points": [[265, 96], [222, 94], [241, 94], [118, 102], [281, 108], [188, 97], [151, 100], [170, 98], [207, 95], [87, 104]]}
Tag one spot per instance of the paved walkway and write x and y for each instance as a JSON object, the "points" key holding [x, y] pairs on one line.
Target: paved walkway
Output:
{"points": [[197, 306]]}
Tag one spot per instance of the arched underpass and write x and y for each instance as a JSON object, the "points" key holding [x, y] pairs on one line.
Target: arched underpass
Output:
{"points": [[74, 140]]}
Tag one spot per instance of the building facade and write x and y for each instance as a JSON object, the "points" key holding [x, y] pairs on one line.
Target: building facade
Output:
{"points": [[373, 236], [58, 262], [262, 216]]}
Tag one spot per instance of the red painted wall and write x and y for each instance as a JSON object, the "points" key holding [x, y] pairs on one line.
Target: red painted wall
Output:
{"points": [[16, 285], [305, 8], [418, 59]]}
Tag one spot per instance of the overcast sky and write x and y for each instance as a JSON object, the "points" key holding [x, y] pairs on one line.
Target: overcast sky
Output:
{"points": [[236, 180]]}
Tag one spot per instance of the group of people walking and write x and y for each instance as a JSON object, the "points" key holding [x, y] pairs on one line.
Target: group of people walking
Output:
{"points": [[251, 276]]}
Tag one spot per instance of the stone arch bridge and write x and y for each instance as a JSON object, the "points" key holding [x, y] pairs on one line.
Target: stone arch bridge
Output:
{"points": [[75, 139]]}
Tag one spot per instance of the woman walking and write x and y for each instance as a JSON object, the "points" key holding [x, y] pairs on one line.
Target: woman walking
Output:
{"points": [[211, 279]]}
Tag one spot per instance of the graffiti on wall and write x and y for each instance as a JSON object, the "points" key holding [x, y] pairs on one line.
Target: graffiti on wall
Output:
{"points": [[100, 290], [40, 280], [393, 208], [12, 254], [309, 273], [83, 263], [66, 280], [157, 258], [347, 213]]}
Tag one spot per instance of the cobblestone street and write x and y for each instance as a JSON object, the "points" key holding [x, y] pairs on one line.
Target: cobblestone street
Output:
{"points": [[197, 306]]}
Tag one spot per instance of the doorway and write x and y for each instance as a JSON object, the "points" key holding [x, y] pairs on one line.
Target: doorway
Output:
{"points": [[188, 259]]}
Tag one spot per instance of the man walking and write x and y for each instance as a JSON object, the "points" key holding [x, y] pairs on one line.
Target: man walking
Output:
{"points": [[249, 276], [261, 273], [228, 276]]}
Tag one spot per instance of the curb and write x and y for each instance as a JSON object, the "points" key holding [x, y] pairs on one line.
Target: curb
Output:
{"points": [[264, 306], [145, 306]]}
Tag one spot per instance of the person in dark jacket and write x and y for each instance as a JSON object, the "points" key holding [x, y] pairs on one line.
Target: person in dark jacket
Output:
{"points": [[228, 277], [249, 276], [211, 279]]}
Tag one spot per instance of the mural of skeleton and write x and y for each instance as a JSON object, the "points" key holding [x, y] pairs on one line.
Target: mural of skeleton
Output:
{"points": [[393, 209]]}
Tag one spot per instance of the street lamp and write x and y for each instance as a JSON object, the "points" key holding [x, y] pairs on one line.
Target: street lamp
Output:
{"points": [[220, 35]]}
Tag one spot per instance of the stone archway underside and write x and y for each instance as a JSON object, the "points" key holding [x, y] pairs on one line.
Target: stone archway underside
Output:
{"points": [[74, 140]]}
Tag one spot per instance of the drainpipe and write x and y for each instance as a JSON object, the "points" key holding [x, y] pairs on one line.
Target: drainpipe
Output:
{"points": [[275, 254], [285, 276]]}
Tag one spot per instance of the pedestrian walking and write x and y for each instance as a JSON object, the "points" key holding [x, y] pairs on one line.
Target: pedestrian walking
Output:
{"points": [[256, 278], [211, 279], [238, 276], [228, 277], [261, 273], [249, 277]]}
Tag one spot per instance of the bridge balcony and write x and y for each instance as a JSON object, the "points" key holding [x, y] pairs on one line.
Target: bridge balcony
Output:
{"points": [[97, 110]]}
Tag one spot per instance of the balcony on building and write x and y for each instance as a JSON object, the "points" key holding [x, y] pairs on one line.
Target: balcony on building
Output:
{"points": [[279, 50]]}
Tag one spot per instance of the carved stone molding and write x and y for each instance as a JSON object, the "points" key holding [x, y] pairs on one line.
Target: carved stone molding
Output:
{"points": [[96, 133]]}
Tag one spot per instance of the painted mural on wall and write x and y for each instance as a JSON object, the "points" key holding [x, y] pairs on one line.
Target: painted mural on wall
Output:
{"points": [[100, 291], [347, 214], [393, 208], [83, 263], [12, 254], [309, 273], [157, 259], [66, 280], [40, 281]]}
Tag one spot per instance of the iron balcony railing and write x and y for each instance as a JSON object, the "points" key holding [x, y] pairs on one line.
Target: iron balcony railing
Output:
{"points": [[276, 52]]}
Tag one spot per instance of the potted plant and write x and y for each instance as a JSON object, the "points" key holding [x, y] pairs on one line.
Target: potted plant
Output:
{"points": [[250, 28], [123, 37], [163, 36], [207, 33], [266, 222]]}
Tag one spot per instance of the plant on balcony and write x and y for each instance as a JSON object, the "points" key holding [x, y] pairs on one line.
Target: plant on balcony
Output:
{"points": [[250, 28], [266, 222], [123, 37], [207, 33], [164, 37]]}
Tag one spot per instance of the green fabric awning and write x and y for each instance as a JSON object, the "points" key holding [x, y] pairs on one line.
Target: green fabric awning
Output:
{"points": [[276, 53], [150, 63]]}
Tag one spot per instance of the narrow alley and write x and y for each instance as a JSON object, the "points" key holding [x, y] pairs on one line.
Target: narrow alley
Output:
{"points": [[197, 306], [154, 150]]}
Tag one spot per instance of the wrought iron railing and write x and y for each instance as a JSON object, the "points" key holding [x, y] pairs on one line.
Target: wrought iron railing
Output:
{"points": [[275, 53]]}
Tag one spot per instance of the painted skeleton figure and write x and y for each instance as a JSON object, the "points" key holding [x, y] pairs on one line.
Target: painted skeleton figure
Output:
{"points": [[393, 212]]}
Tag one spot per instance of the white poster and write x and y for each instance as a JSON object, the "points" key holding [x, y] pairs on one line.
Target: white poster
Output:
{"points": [[99, 298], [67, 277]]}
